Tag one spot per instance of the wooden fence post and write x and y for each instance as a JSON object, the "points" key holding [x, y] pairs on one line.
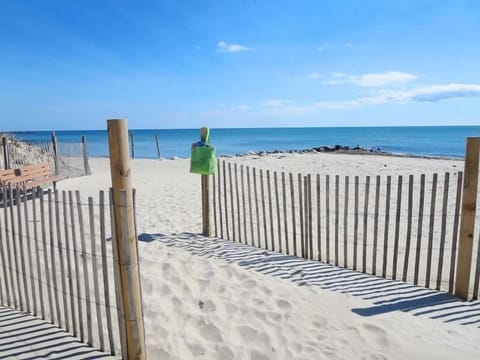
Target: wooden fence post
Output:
{"points": [[467, 218], [55, 154], [158, 146], [85, 156], [6, 162], [126, 238], [205, 193]]}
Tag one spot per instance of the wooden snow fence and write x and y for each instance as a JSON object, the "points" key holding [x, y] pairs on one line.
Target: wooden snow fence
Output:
{"points": [[58, 262], [404, 227]]}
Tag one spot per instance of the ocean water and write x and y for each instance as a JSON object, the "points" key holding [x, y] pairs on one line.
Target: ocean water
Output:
{"points": [[429, 140]]}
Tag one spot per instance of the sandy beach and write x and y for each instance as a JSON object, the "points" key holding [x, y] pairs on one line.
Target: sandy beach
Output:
{"points": [[212, 299]]}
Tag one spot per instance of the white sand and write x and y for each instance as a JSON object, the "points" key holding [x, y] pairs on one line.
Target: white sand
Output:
{"points": [[205, 306]]}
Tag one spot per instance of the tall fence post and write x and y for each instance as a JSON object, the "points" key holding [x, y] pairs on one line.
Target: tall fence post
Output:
{"points": [[467, 219], [55, 153], [6, 160], [126, 238], [85, 156], [205, 193]]}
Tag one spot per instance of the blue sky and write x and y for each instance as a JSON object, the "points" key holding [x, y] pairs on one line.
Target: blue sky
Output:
{"points": [[68, 64]]}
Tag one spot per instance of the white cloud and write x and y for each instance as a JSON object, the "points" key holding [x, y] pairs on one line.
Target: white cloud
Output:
{"points": [[314, 76], [437, 93], [222, 46], [433, 93], [372, 79], [276, 103]]}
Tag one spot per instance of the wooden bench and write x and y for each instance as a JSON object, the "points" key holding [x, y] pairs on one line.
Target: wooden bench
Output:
{"points": [[29, 176]]}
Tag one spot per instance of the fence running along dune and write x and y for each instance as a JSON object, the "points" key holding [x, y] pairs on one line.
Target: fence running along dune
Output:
{"points": [[66, 159], [58, 260], [403, 227]]}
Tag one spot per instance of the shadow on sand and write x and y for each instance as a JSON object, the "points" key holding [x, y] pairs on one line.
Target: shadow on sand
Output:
{"points": [[26, 337], [384, 295]]}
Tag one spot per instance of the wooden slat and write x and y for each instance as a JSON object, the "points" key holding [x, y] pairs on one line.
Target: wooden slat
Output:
{"points": [[300, 211], [270, 211], [21, 241], [106, 287], [264, 218], [294, 224], [397, 226], [81, 324], [69, 256], [310, 217], [30, 256], [232, 204], [375, 225], [421, 202], [337, 186], [365, 223], [250, 211], [319, 218], [3, 252], [355, 224], [214, 200], [345, 223], [35, 196], [86, 277], [453, 257], [239, 214], [257, 212], [219, 182], [386, 226], [285, 220], [225, 197], [409, 228], [51, 227], [96, 287], [327, 215], [446, 187], [305, 223], [431, 230], [117, 279], [9, 239], [46, 261], [61, 257], [19, 302], [245, 236], [277, 204]]}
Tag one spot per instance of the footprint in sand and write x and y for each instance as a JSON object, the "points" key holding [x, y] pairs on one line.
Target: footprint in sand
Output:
{"points": [[196, 349], [380, 336], [247, 333], [207, 306], [319, 322], [284, 304], [257, 355], [210, 332]]}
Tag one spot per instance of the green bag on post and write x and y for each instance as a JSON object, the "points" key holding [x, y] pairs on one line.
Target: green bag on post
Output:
{"points": [[202, 160]]}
